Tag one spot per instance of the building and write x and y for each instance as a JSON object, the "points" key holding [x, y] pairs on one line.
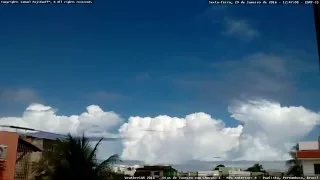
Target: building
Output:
{"points": [[43, 140], [309, 154], [208, 173], [156, 171], [125, 169], [187, 174], [14, 166], [231, 171]]}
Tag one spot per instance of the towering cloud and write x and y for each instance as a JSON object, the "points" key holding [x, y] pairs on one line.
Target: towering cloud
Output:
{"points": [[266, 131]]}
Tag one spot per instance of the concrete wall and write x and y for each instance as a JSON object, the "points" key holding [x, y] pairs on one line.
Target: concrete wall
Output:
{"points": [[125, 169], [9, 139], [308, 145], [36, 156], [308, 167], [239, 173], [208, 173]]}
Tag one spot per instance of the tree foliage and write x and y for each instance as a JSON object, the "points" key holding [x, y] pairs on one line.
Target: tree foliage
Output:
{"points": [[294, 164], [256, 168], [217, 167], [74, 159]]}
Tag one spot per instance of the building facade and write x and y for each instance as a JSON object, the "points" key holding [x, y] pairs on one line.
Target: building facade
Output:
{"points": [[309, 154], [125, 169], [15, 165], [156, 171]]}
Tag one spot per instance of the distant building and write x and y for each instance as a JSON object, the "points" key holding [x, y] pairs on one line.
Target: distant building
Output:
{"points": [[208, 173], [309, 154], [125, 169], [224, 171], [187, 174], [156, 171], [231, 171]]}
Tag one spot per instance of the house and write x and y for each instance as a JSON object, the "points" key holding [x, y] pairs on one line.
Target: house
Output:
{"points": [[309, 154], [14, 165], [156, 171], [43, 140], [231, 171], [125, 169]]}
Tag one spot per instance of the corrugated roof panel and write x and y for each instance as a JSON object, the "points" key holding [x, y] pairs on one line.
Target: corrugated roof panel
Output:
{"points": [[47, 135]]}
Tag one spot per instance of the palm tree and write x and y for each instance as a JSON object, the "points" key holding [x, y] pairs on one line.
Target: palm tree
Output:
{"points": [[75, 159], [294, 164]]}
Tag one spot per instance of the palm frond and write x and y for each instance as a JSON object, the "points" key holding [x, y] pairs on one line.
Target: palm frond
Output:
{"points": [[93, 152], [112, 159]]}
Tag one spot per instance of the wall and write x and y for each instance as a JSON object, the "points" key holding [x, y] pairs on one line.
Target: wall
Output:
{"points": [[36, 156], [308, 145], [308, 168], [208, 173], [9, 139]]}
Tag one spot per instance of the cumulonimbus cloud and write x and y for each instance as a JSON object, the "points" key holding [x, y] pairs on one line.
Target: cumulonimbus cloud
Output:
{"points": [[266, 131]]}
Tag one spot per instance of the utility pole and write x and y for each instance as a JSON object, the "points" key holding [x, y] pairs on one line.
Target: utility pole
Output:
{"points": [[316, 10]]}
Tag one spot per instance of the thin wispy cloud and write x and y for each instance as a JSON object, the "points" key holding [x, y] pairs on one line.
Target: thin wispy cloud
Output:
{"points": [[240, 28], [144, 76], [272, 76], [19, 95]]}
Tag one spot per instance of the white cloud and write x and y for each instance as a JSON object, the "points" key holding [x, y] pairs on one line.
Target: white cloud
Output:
{"points": [[240, 28], [38, 116], [267, 132]]}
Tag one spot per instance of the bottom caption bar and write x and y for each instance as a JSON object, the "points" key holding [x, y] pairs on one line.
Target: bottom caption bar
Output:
{"points": [[226, 178]]}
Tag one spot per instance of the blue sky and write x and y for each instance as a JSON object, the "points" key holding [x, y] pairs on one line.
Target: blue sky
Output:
{"points": [[148, 57]]}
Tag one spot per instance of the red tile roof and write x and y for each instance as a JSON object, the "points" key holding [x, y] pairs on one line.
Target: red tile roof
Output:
{"points": [[308, 154]]}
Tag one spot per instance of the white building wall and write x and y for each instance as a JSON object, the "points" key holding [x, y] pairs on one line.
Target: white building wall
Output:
{"points": [[308, 145], [208, 173], [239, 173], [308, 167], [125, 169]]}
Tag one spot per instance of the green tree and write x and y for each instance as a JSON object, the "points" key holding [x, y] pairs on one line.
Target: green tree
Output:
{"points": [[294, 164], [74, 159], [217, 167], [256, 168]]}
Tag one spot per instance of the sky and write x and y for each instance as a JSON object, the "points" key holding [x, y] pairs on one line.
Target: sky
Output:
{"points": [[205, 81]]}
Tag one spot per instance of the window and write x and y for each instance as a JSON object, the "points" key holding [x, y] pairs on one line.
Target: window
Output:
{"points": [[157, 173], [316, 168]]}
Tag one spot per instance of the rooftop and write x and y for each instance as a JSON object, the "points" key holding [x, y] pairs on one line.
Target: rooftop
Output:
{"points": [[46, 135], [156, 168]]}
